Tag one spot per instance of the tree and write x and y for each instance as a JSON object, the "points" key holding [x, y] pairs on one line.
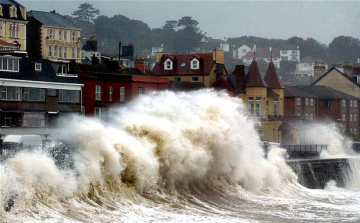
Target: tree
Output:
{"points": [[344, 48], [188, 35], [86, 12]]}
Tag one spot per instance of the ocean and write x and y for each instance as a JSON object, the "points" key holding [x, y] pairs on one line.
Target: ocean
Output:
{"points": [[173, 157]]}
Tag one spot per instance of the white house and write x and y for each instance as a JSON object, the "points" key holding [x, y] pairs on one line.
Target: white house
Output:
{"points": [[240, 52], [306, 67], [290, 54]]}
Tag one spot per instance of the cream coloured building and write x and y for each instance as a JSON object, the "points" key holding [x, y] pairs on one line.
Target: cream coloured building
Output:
{"points": [[59, 38], [13, 24]]}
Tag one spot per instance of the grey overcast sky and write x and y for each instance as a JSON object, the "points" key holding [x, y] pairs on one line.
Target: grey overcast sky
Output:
{"points": [[323, 20]]}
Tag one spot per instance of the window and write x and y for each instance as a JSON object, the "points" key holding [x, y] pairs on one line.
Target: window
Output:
{"points": [[351, 117], [37, 66], [60, 51], [311, 116], [355, 117], [351, 130], [343, 117], [73, 52], [327, 103], [258, 106], [276, 106], [73, 36], [60, 35], [14, 30], [13, 11], [51, 92], [7, 120], [343, 102], [168, 65], [99, 113], [97, 92], [311, 102], [194, 64], [69, 96], [355, 131], [122, 94], [65, 49], [351, 103], [283, 51], [50, 51], [177, 79], [251, 106], [1, 11], [306, 101], [55, 51], [9, 64], [51, 34], [298, 101], [243, 50], [284, 58], [10, 93], [355, 104], [65, 32], [34, 94], [195, 79], [78, 53], [110, 93], [34, 120], [63, 69], [298, 114], [306, 116], [141, 90]]}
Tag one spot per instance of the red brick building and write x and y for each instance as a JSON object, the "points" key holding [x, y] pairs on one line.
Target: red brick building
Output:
{"points": [[108, 86], [322, 104]]}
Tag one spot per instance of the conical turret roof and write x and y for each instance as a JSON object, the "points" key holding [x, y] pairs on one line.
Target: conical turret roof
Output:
{"points": [[254, 78], [272, 78]]}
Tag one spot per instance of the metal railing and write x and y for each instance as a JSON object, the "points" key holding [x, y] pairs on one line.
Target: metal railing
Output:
{"points": [[304, 150]]}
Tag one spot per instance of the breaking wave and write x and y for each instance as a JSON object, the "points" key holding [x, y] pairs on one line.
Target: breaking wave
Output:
{"points": [[164, 154]]}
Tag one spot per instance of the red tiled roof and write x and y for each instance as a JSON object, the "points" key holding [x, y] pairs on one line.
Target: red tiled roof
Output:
{"points": [[206, 64], [2, 42], [272, 78], [254, 79], [264, 53]]}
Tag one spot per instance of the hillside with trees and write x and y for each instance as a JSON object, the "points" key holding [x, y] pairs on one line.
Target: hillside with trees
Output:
{"points": [[184, 35]]}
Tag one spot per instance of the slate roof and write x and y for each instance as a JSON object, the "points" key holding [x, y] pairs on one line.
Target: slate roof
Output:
{"points": [[52, 19], [272, 78], [254, 79], [205, 59], [185, 86], [6, 5], [309, 59], [317, 91], [47, 74]]}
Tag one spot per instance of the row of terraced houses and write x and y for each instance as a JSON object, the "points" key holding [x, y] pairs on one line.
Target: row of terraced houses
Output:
{"points": [[43, 82]]}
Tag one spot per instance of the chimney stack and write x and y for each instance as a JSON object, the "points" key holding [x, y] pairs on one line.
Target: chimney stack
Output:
{"points": [[348, 69], [240, 75], [319, 69], [140, 65], [53, 11]]}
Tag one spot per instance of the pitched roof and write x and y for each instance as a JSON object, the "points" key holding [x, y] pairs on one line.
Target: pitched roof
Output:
{"points": [[338, 70], [254, 79], [52, 19], [181, 64], [6, 13], [264, 53], [186, 86], [272, 78], [308, 59], [47, 73], [317, 91]]}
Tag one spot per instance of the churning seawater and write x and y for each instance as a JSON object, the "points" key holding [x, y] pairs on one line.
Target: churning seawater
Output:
{"points": [[170, 157]]}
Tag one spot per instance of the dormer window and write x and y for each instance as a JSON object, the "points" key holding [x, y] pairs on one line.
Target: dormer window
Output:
{"points": [[1, 10], [37, 66], [13, 11], [9, 64], [195, 64], [168, 65]]}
